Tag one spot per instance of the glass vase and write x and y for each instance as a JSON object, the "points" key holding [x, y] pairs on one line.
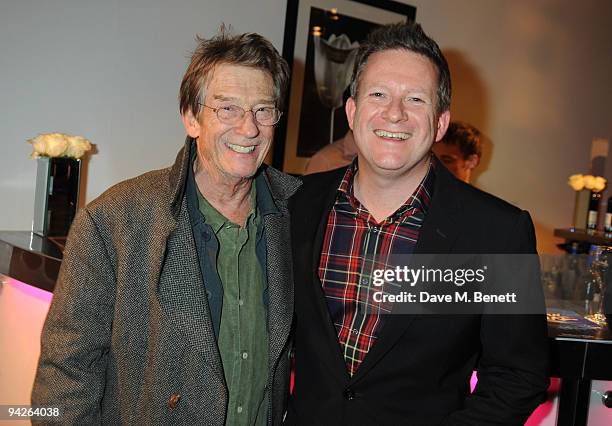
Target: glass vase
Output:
{"points": [[56, 196]]}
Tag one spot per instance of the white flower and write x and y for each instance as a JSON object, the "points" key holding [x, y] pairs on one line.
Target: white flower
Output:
{"points": [[56, 144], [39, 146], [599, 184], [576, 182], [59, 145], [589, 182], [77, 147]]}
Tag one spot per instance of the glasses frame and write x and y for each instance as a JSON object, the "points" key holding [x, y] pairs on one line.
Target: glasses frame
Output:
{"points": [[244, 111]]}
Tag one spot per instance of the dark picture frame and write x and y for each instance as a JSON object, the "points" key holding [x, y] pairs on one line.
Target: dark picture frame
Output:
{"points": [[323, 35]]}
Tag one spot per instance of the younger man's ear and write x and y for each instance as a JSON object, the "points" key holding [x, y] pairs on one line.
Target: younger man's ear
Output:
{"points": [[349, 108], [443, 122]]}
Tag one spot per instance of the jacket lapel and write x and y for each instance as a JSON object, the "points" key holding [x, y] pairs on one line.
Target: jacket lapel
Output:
{"points": [[442, 224], [314, 232], [182, 294], [180, 290], [279, 264], [280, 306], [437, 236]]}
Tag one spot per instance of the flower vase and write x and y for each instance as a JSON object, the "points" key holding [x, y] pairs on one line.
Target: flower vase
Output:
{"points": [[57, 195], [581, 208]]}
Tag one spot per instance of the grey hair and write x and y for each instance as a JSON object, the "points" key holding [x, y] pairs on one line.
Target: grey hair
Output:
{"points": [[250, 50]]}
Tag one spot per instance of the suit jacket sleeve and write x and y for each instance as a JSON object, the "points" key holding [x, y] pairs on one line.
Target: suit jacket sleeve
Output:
{"points": [[76, 334], [513, 369]]}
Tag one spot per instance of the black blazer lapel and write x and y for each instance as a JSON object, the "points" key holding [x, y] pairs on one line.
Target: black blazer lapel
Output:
{"points": [[442, 224], [310, 230], [439, 232]]}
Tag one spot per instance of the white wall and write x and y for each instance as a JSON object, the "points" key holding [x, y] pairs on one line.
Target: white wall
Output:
{"points": [[533, 75], [108, 70]]}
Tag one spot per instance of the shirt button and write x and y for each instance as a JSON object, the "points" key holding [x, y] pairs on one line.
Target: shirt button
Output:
{"points": [[375, 230], [245, 355], [239, 409], [364, 281], [173, 400], [240, 302]]}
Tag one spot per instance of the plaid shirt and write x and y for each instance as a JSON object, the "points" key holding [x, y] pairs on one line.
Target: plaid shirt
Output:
{"points": [[352, 239]]}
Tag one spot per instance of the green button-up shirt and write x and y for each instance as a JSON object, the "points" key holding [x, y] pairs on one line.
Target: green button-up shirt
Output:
{"points": [[243, 336]]}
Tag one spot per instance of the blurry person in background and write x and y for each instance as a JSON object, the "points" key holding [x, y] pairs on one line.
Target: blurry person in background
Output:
{"points": [[460, 149], [339, 153], [174, 302]]}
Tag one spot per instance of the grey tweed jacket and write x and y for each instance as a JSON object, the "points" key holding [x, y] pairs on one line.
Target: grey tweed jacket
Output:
{"points": [[129, 338]]}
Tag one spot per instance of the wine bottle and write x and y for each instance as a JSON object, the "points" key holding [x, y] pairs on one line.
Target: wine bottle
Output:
{"points": [[593, 210], [608, 219]]}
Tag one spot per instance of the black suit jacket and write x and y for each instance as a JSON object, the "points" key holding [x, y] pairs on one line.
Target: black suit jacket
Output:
{"points": [[418, 371]]}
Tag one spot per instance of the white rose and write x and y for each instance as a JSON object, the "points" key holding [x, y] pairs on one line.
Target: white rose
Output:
{"points": [[599, 184], [77, 146], [56, 144], [39, 147], [589, 182], [576, 182], [59, 145]]}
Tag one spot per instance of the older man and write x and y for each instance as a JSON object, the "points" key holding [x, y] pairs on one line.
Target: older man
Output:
{"points": [[356, 365], [175, 299]]}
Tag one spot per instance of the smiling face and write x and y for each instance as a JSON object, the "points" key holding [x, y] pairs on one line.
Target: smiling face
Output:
{"points": [[232, 151], [394, 119]]}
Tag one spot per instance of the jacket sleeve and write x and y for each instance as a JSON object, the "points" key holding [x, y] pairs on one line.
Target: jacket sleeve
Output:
{"points": [[513, 368], [76, 334]]}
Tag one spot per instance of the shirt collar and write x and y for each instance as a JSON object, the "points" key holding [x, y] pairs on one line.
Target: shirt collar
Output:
{"points": [[263, 196], [265, 201], [215, 219], [420, 199]]}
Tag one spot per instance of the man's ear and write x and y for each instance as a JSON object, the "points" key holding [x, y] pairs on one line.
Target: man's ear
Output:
{"points": [[192, 127], [350, 108], [443, 121], [472, 161]]}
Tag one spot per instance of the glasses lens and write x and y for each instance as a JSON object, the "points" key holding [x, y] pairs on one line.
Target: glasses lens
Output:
{"points": [[267, 116], [230, 114]]}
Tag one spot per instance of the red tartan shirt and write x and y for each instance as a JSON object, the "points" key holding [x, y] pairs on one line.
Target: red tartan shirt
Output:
{"points": [[353, 239]]}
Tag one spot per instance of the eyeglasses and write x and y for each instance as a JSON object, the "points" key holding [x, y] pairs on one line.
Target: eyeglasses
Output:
{"points": [[232, 114]]}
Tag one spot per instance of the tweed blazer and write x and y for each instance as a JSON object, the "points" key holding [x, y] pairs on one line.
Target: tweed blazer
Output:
{"points": [[129, 337]]}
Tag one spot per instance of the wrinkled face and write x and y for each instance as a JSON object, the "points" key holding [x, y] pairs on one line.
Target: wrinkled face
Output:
{"points": [[233, 151], [394, 119], [450, 155]]}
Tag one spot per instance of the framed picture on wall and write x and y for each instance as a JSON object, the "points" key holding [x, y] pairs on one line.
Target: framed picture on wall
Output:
{"points": [[320, 44]]}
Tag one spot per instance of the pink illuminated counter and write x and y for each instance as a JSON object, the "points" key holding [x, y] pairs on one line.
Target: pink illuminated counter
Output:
{"points": [[29, 266]]}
